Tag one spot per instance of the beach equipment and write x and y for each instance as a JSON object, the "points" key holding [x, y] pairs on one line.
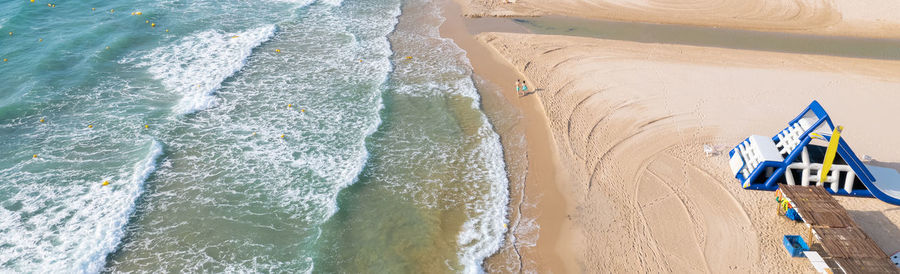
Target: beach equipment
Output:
{"points": [[841, 245], [797, 156], [795, 245], [896, 258], [792, 214]]}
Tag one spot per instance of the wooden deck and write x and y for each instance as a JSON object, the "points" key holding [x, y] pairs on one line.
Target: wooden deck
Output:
{"points": [[817, 206], [840, 238]]}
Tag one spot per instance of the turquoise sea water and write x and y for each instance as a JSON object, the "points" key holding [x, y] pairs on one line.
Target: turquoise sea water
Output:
{"points": [[386, 163]]}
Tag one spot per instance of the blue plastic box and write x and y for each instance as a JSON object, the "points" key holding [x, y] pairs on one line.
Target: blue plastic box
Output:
{"points": [[793, 215], [795, 245]]}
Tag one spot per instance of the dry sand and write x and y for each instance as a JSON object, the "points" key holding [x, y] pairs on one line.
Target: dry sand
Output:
{"points": [[630, 119], [627, 121], [870, 18]]}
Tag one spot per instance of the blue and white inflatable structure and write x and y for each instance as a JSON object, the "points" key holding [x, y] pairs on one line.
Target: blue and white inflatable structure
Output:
{"points": [[795, 157]]}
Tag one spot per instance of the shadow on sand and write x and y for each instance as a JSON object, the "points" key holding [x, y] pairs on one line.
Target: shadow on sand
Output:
{"points": [[531, 92], [879, 228]]}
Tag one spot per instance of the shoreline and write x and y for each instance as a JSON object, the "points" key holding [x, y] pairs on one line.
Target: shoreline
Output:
{"points": [[544, 177]]}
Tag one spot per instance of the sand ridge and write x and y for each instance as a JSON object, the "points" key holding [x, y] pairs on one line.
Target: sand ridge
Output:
{"points": [[824, 17], [631, 119]]}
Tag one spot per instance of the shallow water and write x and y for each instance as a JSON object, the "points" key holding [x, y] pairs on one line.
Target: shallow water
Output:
{"points": [[381, 163], [855, 47]]}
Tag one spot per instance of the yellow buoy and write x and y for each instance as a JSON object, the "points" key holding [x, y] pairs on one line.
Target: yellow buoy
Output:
{"points": [[10, 33], [167, 30], [289, 105], [48, 5], [132, 13], [35, 156], [282, 136], [254, 133], [93, 9], [42, 120], [408, 57], [277, 50], [146, 21], [40, 39], [90, 126], [360, 60], [106, 183], [32, 1], [232, 37], [112, 10], [303, 110], [153, 25], [146, 126], [53, 6], [138, 13]]}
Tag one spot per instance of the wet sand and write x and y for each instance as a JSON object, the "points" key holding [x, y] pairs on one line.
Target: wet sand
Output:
{"points": [[543, 200]]}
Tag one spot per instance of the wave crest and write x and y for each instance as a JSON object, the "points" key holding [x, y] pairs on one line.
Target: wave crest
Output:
{"points": [[196, 66]]}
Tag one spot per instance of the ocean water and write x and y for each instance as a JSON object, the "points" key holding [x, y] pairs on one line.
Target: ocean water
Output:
{"points": [[242, 136]]}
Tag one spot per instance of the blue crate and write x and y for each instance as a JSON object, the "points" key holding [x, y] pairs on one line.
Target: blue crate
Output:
{"points": [[793, 215], [795, 245]]}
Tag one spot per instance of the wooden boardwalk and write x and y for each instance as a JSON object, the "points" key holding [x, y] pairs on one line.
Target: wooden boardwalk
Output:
{"points": [[840, 238]]}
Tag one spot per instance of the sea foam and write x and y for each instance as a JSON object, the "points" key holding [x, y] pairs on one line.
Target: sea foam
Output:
{"points": [[77, 232], [196, 66]]}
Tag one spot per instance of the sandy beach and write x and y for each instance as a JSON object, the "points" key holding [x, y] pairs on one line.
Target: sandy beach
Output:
{"points": [[823, 17], [537, 205], [629, 120]]}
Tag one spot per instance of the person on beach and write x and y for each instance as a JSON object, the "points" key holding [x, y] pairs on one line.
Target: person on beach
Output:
{"points": [[518, 89], [524, 88]]}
